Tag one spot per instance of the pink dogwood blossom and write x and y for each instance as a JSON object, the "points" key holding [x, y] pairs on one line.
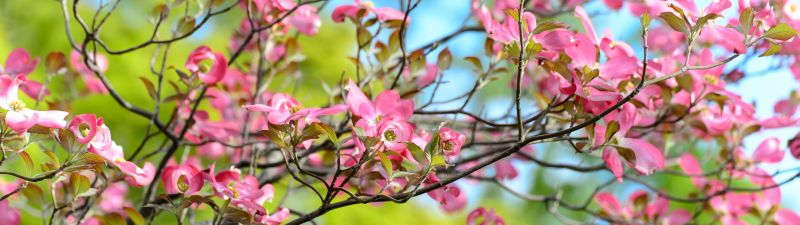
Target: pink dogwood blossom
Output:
{"points": [[209, 66], [352, 11], [185, 179], [19, 118]]}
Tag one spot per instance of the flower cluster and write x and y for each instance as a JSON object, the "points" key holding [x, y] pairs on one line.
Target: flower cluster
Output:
{"points": [[660, 115]]}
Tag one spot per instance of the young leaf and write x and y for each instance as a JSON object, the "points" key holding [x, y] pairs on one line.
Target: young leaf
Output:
{"points": [[773, 48], [26, 158], [612, 129], [387, 165], [675, 22], [746, 20], [79, 182], [151, 89], [781, 32], [445, 59], [185, 25], [417, 153], [134, 215], [328, 131]]}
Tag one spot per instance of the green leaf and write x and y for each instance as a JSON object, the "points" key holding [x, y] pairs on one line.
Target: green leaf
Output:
{"points": [[781, 32], [512, 13], [387, 165], [611, 129], [703, 20], [185, 25], [363, 35], [685, 82], [151, 89], [417, 153], [159, 13], [476, 62], [79, 183], [34, 194], [433, 145], [135, 216], [399, 174], [549, 25], [675, 22], [645, 20], [275, 137], [328, 131], [87, 193], [26, 158], [445, 59], [626, 153], [746, 20], [438, 160], [773, 48]]}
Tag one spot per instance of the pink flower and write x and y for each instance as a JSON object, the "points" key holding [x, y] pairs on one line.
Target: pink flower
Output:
{"points": [[609, 204], [451, 142], [209, 74], [94, 84], [769, 151], [227, 184], [387, 104], [185, 179], [351, 11], [277, 217], [137, 177], [509, 31], [283, 109], [487, 217], [283, 5], [504, 170], [95, 135], [613, 4], [113, 198], [716, 122], [305, 19], [587, 24], [791, 10], [786, 217], [646, 157], [717, 6], [19, 118], [794, 146], [394, 132], [19, 63], [729, 38], [691, 167], [8, 215], [450, 198]]}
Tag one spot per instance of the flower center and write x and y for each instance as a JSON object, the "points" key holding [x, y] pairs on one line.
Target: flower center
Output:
{"points": [[232, 187], [711, 79], [378, 118], [182, 185], [448, 146], [204, 68], [389, 135], [17, 105], [296, 108]]}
